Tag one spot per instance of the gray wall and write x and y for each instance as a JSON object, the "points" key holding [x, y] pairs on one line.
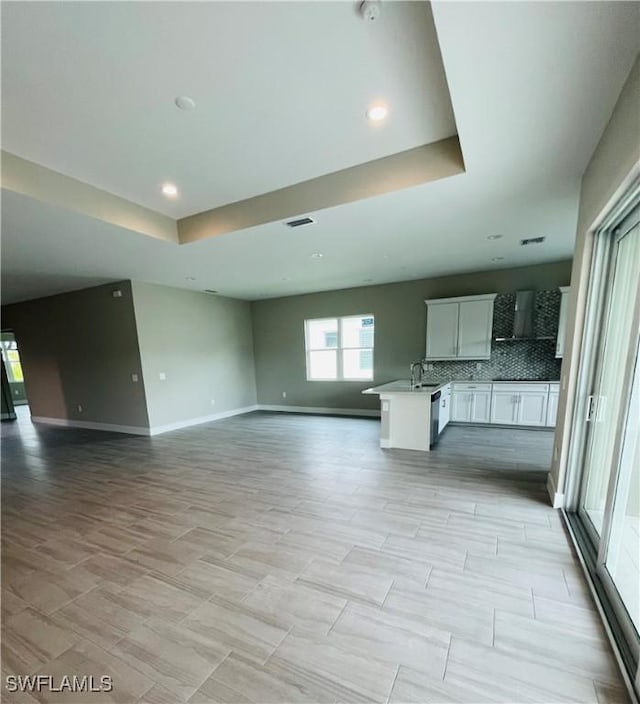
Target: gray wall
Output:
{"points": [[610, 172], [204, 346], [81, 348], [400, 313]]}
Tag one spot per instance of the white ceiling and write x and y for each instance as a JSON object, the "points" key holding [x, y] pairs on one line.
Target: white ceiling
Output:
{"points": [[532, 86], [281, 90]]}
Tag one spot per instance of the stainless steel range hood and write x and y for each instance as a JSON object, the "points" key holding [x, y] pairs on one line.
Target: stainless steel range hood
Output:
{"points": [[523, 318]]}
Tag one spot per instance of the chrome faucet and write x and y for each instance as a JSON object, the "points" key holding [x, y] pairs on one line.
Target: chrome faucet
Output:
{"points": [[416, 374]]}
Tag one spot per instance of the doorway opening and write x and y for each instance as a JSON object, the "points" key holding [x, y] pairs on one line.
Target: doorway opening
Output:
{"points": [[14, 401]]}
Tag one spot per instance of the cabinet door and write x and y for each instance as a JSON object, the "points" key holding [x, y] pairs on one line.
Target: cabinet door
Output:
{"points": [[562, 324], [532, 408], [504, 407], [481, 407], [474, 329], [461, 406], [442, 330], [443, 418], [552, 409]]}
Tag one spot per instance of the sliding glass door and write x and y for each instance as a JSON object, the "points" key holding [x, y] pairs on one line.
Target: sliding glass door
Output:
{"points": [[607, 403], [609, 498], [622, 558]]}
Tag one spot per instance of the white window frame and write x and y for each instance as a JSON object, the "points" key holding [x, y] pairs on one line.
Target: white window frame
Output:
{"points": [[339, 347], [8, 364]]}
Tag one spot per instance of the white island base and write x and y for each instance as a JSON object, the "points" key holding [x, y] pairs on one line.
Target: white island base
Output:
{"points": [[405, 415]]}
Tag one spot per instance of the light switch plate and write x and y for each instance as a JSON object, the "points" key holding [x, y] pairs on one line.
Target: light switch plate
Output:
{"points": [[134, 377], [162, 376]]}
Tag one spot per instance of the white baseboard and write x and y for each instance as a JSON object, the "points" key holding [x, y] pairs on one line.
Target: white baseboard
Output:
{"points": [[137, 430], [89, 425], [316, 410], [158, 429], [557, 499]]}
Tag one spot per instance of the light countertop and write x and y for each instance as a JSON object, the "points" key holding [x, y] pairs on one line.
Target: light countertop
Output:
{"points": [[403, 386]]}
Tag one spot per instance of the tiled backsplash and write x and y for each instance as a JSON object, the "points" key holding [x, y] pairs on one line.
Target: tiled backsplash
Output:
{"points": [[513, 359]]}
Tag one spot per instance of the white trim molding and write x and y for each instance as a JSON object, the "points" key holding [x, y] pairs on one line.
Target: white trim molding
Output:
{"points": [[557, 499], [139, 430], [89, 425], [158, 429], [462, 299], [317, 410]]}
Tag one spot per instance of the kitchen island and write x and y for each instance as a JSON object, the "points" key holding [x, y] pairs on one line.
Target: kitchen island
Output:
{"points": [[411, 420], [406, 418]]}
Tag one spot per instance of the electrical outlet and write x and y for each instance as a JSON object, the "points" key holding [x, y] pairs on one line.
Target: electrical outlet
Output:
{"points": [[430, 367], [162, 376], [478, 365], [79, 408], [284, 394], [213, 402], [134, 377]]}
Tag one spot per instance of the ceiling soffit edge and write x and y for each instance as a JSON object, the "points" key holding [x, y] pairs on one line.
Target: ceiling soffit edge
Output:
{"points": [[428, 162]]}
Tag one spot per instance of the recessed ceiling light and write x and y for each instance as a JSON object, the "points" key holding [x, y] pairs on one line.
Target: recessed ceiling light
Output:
{"points": [[494, 237], [317, 255], [497, 259], [184, 102], [376, 113], [170, 190]]}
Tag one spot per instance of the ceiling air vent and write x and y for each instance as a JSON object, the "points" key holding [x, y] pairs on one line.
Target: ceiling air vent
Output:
{"points": [[532, 240], [300, 222]]}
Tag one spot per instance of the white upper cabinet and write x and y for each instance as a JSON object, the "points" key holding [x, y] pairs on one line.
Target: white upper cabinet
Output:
{"points": [[442, 331], [562, 320], [460, 328]]}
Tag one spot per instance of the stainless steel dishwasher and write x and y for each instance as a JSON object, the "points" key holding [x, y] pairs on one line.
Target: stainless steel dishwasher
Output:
{"points": [[435, 418]]}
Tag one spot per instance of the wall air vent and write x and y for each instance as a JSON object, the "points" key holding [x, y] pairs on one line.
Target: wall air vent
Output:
{"points": [[209, 290], [532, 240], [300, 222]]}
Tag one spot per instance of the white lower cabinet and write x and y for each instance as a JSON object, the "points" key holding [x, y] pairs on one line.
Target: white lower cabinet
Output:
{"points": [[445, 407], [519, 404], [530, 405], [471, 403], [552, 408], [504, 408], [532, 408]]}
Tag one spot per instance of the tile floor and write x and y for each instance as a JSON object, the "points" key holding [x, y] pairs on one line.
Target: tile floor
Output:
{"points": [[282, 558]]}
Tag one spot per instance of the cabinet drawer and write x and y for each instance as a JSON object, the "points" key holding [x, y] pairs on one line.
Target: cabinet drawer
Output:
{"points": [[471, 386], [522, 388]]}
